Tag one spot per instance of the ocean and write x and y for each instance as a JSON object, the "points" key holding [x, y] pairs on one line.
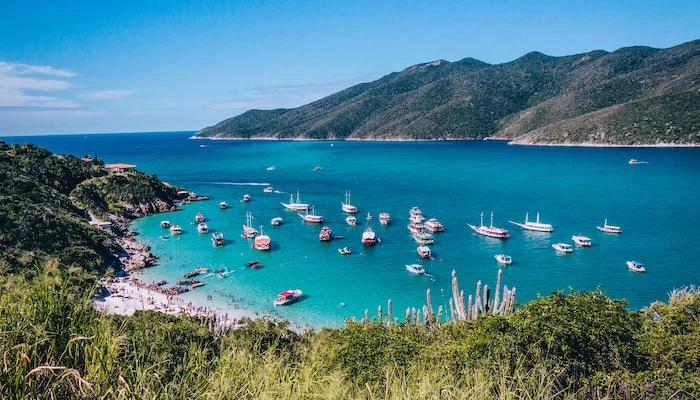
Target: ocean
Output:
{"points": [[657, 204]]}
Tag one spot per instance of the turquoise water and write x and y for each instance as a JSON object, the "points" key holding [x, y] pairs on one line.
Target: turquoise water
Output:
{"points": [[656, 204]]}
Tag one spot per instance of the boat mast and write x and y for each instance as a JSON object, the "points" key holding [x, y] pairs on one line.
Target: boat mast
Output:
{"points": [[491, 218], [249, 219], [526, 214], [481, 223], [538, 217], [298, 197]]}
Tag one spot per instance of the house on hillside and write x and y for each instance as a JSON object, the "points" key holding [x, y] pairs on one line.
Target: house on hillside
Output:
{"points": [[120, 167]]}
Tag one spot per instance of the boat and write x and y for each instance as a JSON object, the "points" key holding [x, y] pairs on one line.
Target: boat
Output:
{"points": [[165, 224], [276, 221], [271, 168], [562, 247], [415, 211], [196, 272], [369, 237], [636, 266], [490, 231], [351, 220], [312, 218], [424, 252], [384, 218], [582, 240], [295, 205], [415, 227], [416, 218], [433, 225], [344, 251], [175, 230], [347, 207], [269, 189], [326, 234], [223, 205], [246, 198], [635, 161], [609, 228], [196, 285], [217, 239], [503, 259], [262, 241], [287, 297], [317, 168], [202, 227], [199, 217], [248, 230], [255, 264], [416, 269], [534, 226], [423, 238]]}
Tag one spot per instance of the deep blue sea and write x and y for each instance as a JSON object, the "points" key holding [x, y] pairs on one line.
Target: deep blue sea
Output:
{"points": [[656, 204]]}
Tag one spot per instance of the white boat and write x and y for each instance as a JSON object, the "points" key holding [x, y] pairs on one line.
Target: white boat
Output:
{"points": [[262, 241], [582, 240], [424, 252], [271, 168], [246, 198], [347, 207], [433, 225], [609, 228], [287, 297], [416, 218], [415, 227], [635, 161], [295, 205], [165, 224], [312, 218], [415, 211], [563, 247], [351, 220], [534, 226], [326, 234], [423, 238], [175, 230], [369, 237], [384, 218], [202, 227], [344, 251], [223, 205], [248, 230], [636, 266], [269, 189], [217, 239], [503, 259], [276, 221], [416, 269], [490, 231], [199, 217]]}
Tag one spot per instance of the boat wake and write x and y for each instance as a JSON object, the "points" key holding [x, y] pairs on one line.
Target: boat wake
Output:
{"points": [[241, 183]]}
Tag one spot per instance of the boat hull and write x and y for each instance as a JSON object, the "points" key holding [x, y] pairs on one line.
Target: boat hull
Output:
{"points": [[497, 235]]}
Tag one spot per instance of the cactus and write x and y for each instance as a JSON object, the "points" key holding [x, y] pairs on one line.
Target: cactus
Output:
{"points": [[498, 289], [430, 302], [388, 312], [408, 315], [487, 297], [453, 316], [379, 314], [366, 315]]}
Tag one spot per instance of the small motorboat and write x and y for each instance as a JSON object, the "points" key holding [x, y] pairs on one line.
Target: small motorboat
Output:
{"points": [[317, 168], [351, 220], [255, 264], [562, 247], [269, 189], [636, 266], [217, 239], [202, 227], [223, 205], [416, 269], [344, 251], [175, 230], [424, 252], [276, 221], [384, 218], [503, 259], [287, 297], [246, 198], [165, 224], [326, 234], [609, 228], [199, 217], [582, 240], [633, 161], [271, 168]]}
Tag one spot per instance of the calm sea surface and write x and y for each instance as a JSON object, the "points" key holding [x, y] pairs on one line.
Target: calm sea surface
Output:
{"points": [[656, 204]]}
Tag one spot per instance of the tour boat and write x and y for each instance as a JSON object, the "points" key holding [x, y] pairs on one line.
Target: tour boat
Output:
{"points": [[416, 269], [276, 221], [269, 189], [609, 228], [287, 297], [326, 234], [223, 205], [369, 237], [563, 247], [582, 240], [295, 205], [199, 217], [384, 218], [202, 227], [424, 251], [418, 218], [351, 220], [344, 251], [347, 207], [175, 230], [433, 225], [415, 211], [248, 230], [217, 239], [490, 231], [503, 259], [415, 227], [534, 226], [636, 266], [312, 218], [262, 241], [423, 238], [246, 198], [165, 224]]}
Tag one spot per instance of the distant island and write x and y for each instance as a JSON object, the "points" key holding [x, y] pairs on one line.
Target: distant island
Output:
{"points": [[634, 96]]}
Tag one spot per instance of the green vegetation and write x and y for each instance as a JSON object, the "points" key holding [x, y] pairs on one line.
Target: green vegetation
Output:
{"points": [[635, 95]]}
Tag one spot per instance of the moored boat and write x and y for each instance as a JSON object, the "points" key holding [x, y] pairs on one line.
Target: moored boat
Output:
{"points": [[609, 228], [415, 211], [326, 234], [295, 205], [165, 224], [287, 297], [175, 230], [248, 230], [562, 247], [415, 269], [202, 227], [384, 218], [636, 266], [344, 251], [534, 226], [433, 225], [269, 189], [312, 217], [347, 207], [246, 198], [424, 252], [414, 227], [490, 231], [199, 217], [503, 259], [255, 264], [369, 237], [276, 221], [217, 239], [262, 241], [582, 240], [351, 220], [423, 238], [223, 205]]}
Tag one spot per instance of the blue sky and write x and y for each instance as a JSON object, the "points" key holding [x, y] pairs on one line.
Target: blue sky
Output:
{"points": [[138, 66]]}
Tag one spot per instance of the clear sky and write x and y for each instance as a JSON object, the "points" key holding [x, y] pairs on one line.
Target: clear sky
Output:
{"points": [[141, 66]]}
